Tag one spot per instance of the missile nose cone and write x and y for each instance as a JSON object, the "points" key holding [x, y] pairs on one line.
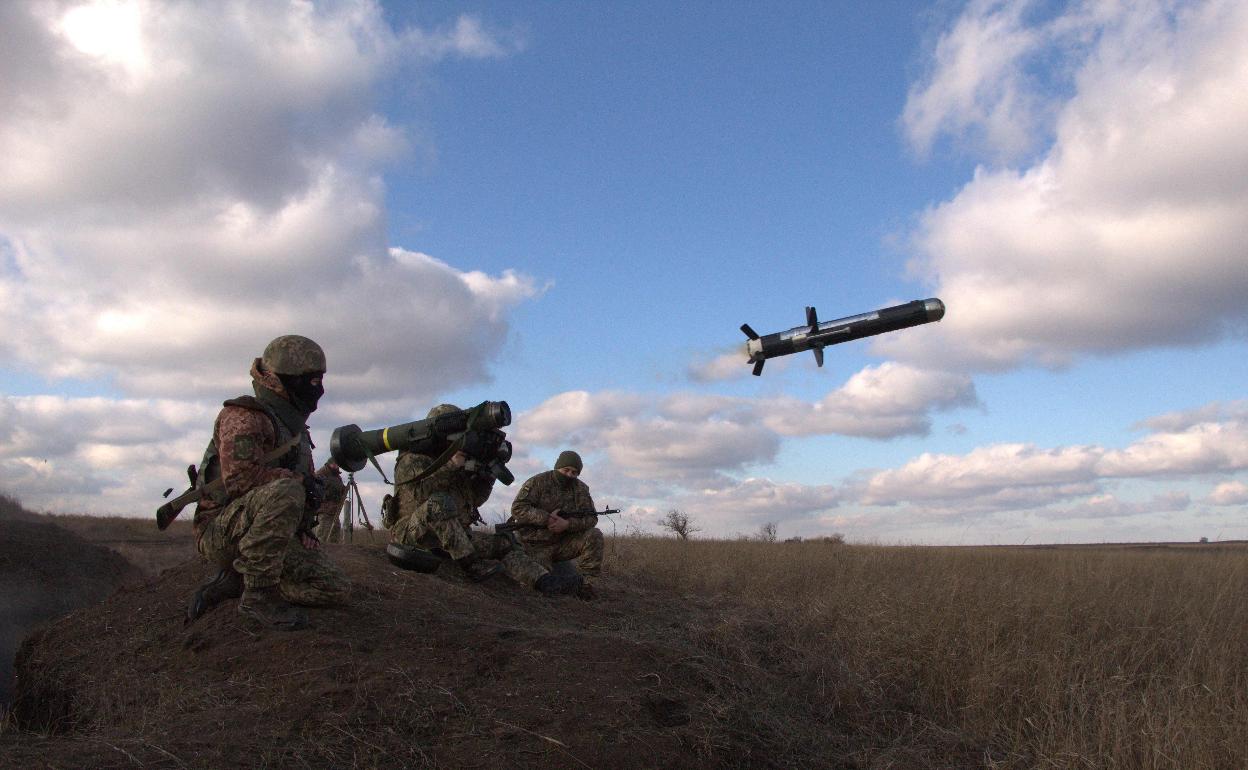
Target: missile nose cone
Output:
{"points": [[935, 309]]}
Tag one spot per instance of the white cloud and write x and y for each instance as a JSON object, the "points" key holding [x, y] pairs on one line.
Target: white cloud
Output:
{"points": [[1022, 475], [691, 449], [468, 37], [698, 438], [1217, 411], [757, 500], [983, 471], [1229, 493], [1128, 232], [882, 401], [978, 82], [1110, 507], [696, 453], [182, 182], [574, 417], [96, 455]]}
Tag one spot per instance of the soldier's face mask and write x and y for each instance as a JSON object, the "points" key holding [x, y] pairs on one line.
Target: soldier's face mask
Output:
{"points": [[567, 477], [304, 390]]}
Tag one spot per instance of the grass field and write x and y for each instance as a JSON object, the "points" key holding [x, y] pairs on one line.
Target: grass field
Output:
{"points": [[1090, 656], [1097, 657]]}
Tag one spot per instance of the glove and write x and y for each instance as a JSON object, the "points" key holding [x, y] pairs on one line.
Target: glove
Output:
{"points": [[313, 492]]}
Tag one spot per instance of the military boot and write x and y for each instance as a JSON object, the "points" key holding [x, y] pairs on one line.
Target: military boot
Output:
{"points": [[553, 584], [266, 606], [479, 569], [226, 584]]}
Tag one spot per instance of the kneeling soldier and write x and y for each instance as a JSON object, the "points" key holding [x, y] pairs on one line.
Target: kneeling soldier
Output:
{"points": [[438, 512], [554, 538], [259, 530]]}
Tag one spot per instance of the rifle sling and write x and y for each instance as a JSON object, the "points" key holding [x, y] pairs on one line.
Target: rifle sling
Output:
{"points": [[170, 510], [441, 460]]}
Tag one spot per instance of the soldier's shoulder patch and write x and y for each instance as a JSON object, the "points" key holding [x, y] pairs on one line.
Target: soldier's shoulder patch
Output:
{"points": [[244, 448]]}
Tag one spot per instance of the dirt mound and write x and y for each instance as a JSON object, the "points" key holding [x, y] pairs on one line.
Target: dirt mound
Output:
{"points": [[419, 670], [45, 572]]}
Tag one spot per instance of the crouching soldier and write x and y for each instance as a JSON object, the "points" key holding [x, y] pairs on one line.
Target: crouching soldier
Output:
{"points": [[438, 511], [259, 528], [553, 538]]}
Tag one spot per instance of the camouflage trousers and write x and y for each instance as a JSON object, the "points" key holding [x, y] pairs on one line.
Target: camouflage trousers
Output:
{"points": [[458, 541], [584, 548], [255, 534]]}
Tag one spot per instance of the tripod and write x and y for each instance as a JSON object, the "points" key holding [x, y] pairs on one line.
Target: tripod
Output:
{"points": [[353, 512]]}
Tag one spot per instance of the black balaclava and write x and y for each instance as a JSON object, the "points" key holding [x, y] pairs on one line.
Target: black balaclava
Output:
{"points": [[303, 392]]}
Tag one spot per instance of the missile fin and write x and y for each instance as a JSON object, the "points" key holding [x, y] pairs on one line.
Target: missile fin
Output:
{"points": [[758, 367], [749, 332], [812, 318], [818, 351]]}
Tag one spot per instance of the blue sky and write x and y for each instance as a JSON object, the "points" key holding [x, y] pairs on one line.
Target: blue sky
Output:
{"points": [[574, 206]]}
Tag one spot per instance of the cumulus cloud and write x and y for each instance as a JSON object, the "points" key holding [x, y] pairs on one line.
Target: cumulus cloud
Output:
{"points": [[993, 475], [1229, 493], [698, 438], [1217, 411], [882, 401], [1127, 232], [95, 455], [978, 82], [757, 500], [1110, 507], [575, 417], [180, 183], [183, 182], [693, 450]]}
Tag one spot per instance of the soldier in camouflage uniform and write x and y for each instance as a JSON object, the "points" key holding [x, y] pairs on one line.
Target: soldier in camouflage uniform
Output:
{"points": [[258, 530], [329, 515], [438, 512], [555, 538]]}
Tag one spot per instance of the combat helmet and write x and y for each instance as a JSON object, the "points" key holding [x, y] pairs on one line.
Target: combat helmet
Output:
{"points": [[440, 410], [294, 355]]}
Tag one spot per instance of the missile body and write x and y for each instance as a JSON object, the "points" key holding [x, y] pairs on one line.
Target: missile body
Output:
{"points": [[816, 336]]}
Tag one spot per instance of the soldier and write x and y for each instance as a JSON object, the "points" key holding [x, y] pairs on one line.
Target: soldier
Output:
{"points": [[556, 538], [258, 529], [329, 515], [439, 511]]}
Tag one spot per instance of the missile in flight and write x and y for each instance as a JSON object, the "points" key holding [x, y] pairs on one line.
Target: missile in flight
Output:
{"points": [[816, 335]]}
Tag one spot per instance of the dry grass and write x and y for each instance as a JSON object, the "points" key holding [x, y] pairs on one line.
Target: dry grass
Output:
{"points": [[992, 657], [137, 539], [820, 654]]}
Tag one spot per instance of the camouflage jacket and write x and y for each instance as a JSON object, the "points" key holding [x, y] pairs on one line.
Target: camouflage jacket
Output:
{"points": [[543, 494], [457, 493], [243, 436]]}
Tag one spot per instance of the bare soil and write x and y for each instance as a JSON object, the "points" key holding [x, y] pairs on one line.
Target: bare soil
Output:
{"points": [[45, 572]]}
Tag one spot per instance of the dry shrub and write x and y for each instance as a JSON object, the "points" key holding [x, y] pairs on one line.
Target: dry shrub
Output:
{"points": [[1003, 657]]}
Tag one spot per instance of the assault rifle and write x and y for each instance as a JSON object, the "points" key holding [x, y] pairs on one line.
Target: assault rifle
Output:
{"points": [[166, 513], [511, 527]]}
